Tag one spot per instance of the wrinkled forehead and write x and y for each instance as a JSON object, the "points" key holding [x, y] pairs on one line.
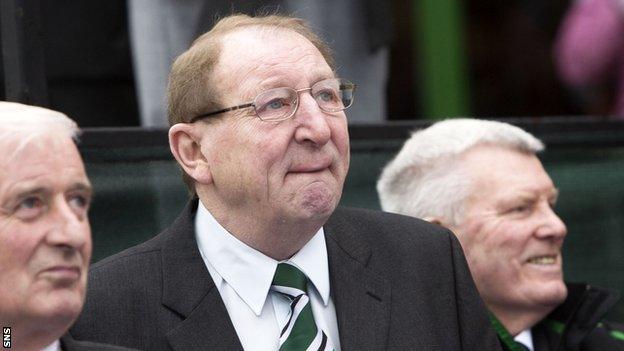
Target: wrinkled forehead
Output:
{"points": [[15, 144], [254, 54], [499, 173]]}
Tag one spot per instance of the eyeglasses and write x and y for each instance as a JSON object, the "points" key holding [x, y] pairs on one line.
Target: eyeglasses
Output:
{"points": [[331, 95]]}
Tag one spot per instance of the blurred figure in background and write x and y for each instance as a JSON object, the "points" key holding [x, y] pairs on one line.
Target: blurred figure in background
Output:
{"points": [[45, 238], [358, 31], [482, 180], [589, 53]]}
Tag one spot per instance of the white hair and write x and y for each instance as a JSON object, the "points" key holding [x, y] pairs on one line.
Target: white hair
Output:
{"points": [[424, 179], [22, 125]]}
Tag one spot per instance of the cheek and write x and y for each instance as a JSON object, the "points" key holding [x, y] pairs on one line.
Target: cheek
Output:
{"points": [[16, 272], [16, 248], [487, 244], [272, 154], [87, 248], [340, 136]]}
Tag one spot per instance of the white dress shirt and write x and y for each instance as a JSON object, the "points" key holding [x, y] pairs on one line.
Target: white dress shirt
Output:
{"points": [[55, 346], [525, 338], [244, 275]]}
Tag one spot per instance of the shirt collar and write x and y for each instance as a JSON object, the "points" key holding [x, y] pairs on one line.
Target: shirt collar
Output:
{"points": [[525, 338], [250, 272], [312, 260], [55, 346]]}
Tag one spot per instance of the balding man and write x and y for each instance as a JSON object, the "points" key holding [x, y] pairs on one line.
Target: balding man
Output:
{"points": [[482, 180], [45, 238], [261, 259]]}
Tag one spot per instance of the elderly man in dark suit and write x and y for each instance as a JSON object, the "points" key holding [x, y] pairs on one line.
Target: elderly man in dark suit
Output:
{"points": [[261, 259], [483, 180], [45, 238]]}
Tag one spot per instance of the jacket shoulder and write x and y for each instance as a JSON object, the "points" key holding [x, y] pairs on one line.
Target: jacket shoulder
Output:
{"points": [[377, 227]]}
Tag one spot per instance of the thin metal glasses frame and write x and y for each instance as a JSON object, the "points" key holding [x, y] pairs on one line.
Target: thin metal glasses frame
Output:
{"points": [[343, 82]]}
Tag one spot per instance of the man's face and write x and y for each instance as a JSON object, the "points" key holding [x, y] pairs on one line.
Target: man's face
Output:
{"points": [[275, 172], [510, 234], [45, 238]]}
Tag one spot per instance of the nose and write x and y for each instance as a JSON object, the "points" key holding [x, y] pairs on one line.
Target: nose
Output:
{"points": [[551, 225], [69, 229], [313, 127]]}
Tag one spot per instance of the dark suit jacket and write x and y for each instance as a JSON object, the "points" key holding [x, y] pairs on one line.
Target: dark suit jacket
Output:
{"points": [[398, 283], [69, 344]]}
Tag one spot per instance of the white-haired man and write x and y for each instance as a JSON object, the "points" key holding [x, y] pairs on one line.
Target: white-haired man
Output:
{"points": [[482, 180], [45, 238]]}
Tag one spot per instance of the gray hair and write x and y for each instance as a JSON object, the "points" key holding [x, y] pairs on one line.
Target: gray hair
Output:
{"points": [[424, 179], [24, 125]]}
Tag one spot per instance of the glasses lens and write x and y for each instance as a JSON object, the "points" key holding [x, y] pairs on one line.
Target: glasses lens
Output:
{"points": [[333, 95], [276, 104]]}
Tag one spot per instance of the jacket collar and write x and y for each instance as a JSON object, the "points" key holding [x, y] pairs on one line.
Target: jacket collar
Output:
{"points": [[579, 314], [198, 302], [361, 296], [189, 291]]}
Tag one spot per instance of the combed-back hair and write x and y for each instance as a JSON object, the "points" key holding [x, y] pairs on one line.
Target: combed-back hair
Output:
{"points": [[191, 91], [22, 125], [424, 179]]}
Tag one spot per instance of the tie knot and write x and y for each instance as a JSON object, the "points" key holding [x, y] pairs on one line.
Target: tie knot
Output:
{"points": [[290, 277]]}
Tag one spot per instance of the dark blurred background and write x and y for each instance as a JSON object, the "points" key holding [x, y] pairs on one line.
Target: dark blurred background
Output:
{"points": [[446, 58]]}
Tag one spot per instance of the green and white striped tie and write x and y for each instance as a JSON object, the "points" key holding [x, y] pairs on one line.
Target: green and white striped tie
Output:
{"points": [[301, 332]]}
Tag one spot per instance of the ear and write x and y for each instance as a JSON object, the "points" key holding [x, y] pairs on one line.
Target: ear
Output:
{"points": [[441, 221], [436, 220], [185, 144]]}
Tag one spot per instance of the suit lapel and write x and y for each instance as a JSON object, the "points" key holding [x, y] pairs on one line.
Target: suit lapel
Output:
{"points": [[362, 297], [189, 291]]}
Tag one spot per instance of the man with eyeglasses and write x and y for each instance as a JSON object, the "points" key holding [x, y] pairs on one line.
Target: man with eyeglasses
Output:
{"points": [[261, 259]]}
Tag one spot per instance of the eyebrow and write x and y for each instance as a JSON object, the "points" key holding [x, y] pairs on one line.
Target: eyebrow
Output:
{"points": [[530, 197], [86, 187], [283, 81], [25, 191]]}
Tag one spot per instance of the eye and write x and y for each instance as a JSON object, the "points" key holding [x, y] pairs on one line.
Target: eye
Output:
{"points": [[326, 95], [79, 203], [275, 104], [29, 208], [521, 209]]}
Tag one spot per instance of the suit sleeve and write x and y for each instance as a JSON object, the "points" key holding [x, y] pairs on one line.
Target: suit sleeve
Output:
{"points": [[474, 325]]}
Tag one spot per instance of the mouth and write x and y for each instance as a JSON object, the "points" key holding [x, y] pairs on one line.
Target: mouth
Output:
{"points": [[545, 260], [311, 167], [62, 274]]}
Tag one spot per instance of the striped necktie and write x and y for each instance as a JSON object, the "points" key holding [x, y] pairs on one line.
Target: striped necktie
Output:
{"points": [[301, 332]]}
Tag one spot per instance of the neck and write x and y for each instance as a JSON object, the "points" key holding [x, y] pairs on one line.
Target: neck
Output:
{"points": [[279, 241], [277, 237], [34, 340]]}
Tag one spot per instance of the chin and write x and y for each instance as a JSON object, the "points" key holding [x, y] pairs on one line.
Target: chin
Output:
{"points": [[318, 201], [317, 210], [552, 293], [61, 307]]}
